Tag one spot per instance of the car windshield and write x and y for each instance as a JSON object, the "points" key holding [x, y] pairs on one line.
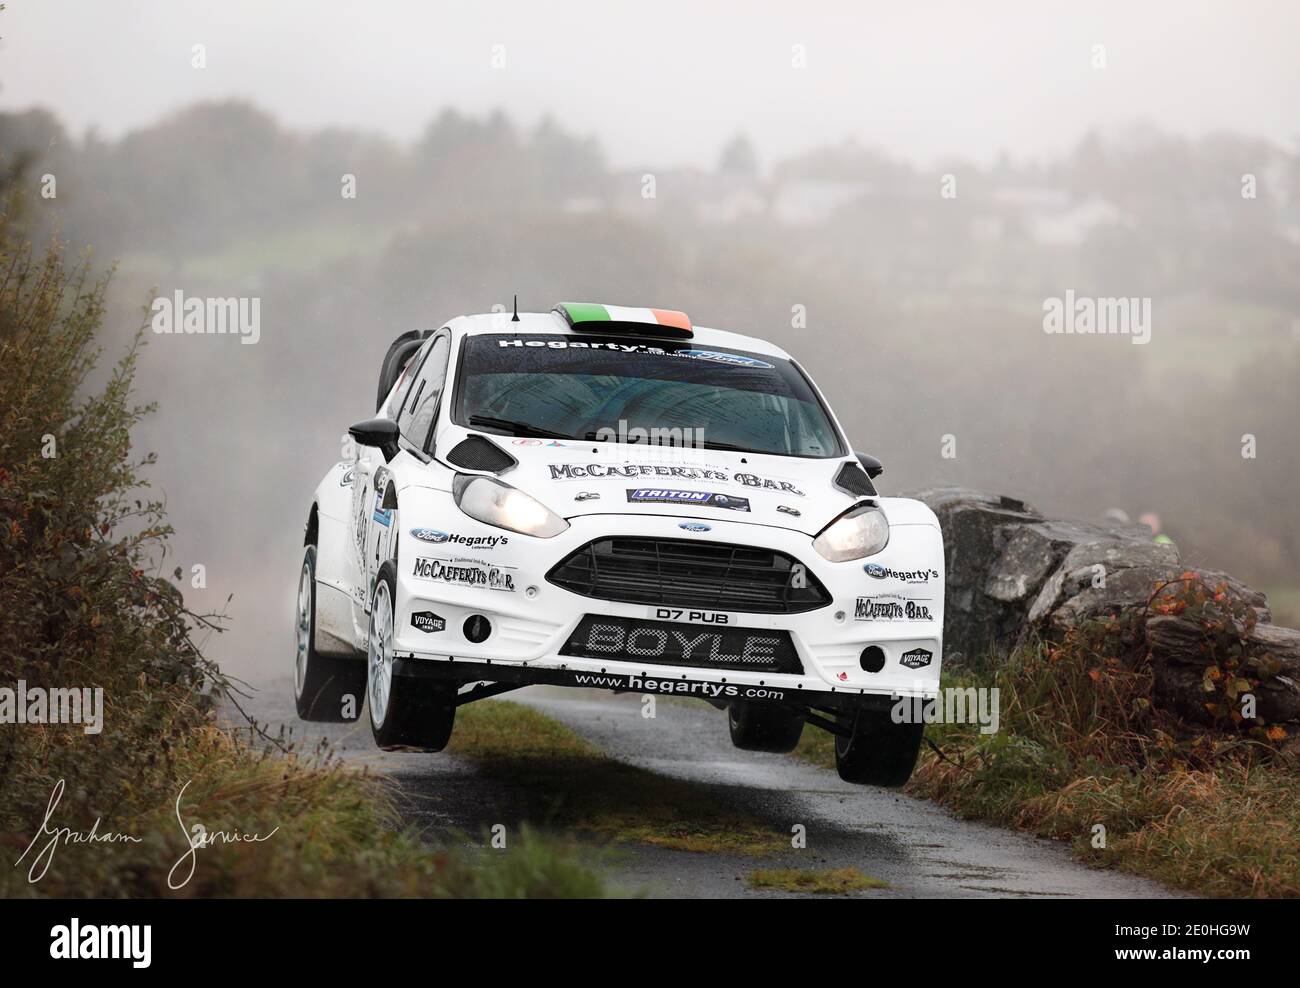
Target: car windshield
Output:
{"points": [[614, 389]]}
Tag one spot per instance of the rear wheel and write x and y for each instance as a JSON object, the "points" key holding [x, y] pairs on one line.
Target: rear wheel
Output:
{"points": [[406, 713], [879, 752], [326, 689], [763, 726]]}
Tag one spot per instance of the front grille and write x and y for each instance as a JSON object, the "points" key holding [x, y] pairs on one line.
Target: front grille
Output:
{"points": [[684, 573]]}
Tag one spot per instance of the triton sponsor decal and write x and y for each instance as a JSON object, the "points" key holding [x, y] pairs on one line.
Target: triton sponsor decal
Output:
{"points": [[427, 622], [435, 537], [585, 471], [916, 658], [663, 495], [892, 607], [878, 572], [464, 573], [695, 526]]}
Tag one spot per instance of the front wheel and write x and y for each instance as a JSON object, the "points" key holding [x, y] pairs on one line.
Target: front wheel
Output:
{"points": [[878, 752], [406, 714], [763, 726], [326, 689]]}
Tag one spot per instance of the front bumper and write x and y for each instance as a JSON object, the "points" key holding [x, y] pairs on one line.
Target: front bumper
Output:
{"points": [[530, 619]]}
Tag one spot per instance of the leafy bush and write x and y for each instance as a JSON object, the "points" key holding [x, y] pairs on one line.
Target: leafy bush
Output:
{"points": [[1082, 745], [84, 603]]}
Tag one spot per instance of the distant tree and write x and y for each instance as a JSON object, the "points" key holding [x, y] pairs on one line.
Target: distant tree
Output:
{"points": [[739, 158]]}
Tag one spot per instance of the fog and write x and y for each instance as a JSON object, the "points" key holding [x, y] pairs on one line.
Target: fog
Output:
{"points": [[667, 83], [899, 213]]}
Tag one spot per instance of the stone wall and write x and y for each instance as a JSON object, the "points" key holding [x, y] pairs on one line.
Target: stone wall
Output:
{"points": [[1012, 572]]}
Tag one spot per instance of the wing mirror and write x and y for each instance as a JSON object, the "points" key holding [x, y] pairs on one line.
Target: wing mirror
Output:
{"points": [[379, 433], [870, 464]]}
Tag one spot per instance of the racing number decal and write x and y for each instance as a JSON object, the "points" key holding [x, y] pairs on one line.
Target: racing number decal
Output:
{"points": [[380, 506], [361, 499]]}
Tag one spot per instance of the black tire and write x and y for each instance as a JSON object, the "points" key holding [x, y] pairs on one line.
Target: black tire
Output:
{"points": [[880, 752], [413, 714], [322, 684], [763, 726]]}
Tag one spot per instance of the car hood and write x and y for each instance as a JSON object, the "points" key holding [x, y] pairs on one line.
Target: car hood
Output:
{"points": [[705, 485]]}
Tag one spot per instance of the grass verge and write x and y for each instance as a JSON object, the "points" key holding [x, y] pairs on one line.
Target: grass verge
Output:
{"points": [[1084, 755], [816, 881], [328, 831], [570, 782]]}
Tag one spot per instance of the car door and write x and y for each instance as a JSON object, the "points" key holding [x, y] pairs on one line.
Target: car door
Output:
{"points": [[371, 523], [377, 511]]}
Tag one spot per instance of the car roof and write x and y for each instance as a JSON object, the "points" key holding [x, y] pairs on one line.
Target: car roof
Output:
{"points": [[552, 322]]}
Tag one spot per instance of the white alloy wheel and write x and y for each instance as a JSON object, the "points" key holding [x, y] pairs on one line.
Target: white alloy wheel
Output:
{"points": [[302, 631], [380, 659]]}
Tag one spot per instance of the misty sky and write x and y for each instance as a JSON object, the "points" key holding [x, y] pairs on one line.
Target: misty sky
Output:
{"points": [[667, 83]]}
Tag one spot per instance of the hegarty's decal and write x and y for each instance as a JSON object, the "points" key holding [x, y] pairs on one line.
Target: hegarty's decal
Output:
{"points": [[714, 356], [435, 537], [663, 495], [878, 572]]}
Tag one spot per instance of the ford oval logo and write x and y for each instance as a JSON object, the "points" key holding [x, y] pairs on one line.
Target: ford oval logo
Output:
{"points": [[739, 360], [695, 526], [429, 535], [875, 570]]}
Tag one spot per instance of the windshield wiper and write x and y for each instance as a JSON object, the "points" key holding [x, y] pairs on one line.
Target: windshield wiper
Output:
{"points": [[518, 428], [732, 447]]}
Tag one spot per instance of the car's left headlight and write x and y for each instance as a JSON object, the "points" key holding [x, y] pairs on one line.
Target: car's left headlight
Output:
{"points": [[495, 503], [861, 531]]}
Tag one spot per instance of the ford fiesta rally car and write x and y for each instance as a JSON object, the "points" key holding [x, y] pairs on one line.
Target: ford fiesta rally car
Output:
{"points": [[612, 498]]}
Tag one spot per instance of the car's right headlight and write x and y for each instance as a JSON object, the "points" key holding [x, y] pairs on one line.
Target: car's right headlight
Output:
{"points": [[495, 503], [860, 531]]}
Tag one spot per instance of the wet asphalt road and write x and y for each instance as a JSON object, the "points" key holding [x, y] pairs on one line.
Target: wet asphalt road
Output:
{"points": [[917, 847]]}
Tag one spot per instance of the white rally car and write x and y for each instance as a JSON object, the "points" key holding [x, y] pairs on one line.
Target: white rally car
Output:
{"points": [[612, 498]]}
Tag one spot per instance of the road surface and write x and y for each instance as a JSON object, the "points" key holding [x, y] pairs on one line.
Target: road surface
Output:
{"points": [[914, 845]]}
